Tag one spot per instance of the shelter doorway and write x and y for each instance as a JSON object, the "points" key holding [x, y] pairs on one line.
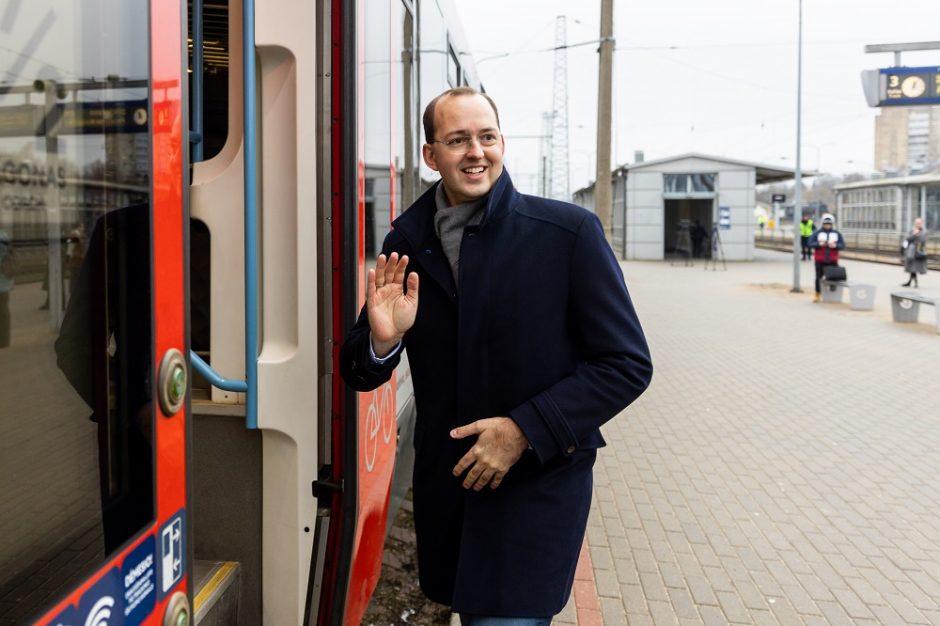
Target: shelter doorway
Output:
{"points": [[689, 215]]}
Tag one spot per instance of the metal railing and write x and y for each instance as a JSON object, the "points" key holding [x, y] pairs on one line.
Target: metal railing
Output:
{"points": [[864, 246]]}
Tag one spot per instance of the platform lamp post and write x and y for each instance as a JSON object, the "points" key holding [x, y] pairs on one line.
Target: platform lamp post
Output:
{"points": [[798, 174]]}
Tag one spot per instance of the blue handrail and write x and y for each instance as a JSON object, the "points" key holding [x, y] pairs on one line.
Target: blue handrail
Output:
{"points": [[251, 217], [198, 55], [206, 371], [250, 385]]}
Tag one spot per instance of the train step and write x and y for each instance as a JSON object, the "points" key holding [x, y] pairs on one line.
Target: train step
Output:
{"points": [[216, 592]]}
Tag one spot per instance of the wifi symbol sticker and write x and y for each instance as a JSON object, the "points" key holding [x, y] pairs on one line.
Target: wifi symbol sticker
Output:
{"points": [[101, 612], [102, 604]]}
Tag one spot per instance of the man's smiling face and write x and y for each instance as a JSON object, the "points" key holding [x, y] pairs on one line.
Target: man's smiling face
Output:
{"points": [[470, 172]]}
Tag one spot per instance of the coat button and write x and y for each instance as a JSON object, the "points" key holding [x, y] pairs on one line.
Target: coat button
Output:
{"points": [[570, 450]]}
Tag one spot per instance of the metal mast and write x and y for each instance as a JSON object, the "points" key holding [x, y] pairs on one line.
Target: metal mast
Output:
{"points": [[603, 191], [545, 156], [559, 187]]}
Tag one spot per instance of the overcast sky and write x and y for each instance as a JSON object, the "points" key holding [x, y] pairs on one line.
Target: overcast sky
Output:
{"points": [[717, 77]]}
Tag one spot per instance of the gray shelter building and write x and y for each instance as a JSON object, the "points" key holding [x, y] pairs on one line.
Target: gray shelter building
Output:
{"points": [[654, 200]]}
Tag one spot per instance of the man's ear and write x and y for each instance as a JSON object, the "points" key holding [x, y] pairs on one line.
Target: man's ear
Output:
{"points": [[428, 153]]}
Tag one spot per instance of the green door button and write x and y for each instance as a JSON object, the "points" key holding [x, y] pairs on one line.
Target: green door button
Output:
{"points": [[172, 382], [178, 383]]}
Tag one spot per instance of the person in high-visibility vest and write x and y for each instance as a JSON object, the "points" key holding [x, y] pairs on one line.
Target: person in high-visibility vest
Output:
{"points": [[806, 231]]}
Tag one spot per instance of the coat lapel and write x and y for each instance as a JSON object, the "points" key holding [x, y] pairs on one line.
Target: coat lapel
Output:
{"points": [[416, 225]]}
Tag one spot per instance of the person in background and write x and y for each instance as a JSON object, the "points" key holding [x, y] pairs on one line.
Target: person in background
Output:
{"points": [[826, 243], [699, 235], [74, 254], [806, 231], [915, 252]]}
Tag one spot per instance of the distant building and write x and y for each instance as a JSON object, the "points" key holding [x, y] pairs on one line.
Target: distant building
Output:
{"points": [[907, 139], [653, 200], [888, 206]]}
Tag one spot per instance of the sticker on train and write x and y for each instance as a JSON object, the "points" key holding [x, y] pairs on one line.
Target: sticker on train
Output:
{"points": [[103, 603], [172, 560], [140, 586]]}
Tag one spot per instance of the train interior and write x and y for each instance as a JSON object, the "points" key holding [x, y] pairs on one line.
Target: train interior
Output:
{"points": [[226, 497]]}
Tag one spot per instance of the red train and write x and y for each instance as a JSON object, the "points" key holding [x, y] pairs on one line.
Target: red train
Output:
{"points": [[184, 231]]}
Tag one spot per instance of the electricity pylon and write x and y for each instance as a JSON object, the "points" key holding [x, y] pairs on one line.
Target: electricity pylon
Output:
{"points": [[558, 185]]}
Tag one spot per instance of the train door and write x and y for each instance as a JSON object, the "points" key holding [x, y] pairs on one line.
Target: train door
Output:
{"points": [[373, 173], [93, 433]]}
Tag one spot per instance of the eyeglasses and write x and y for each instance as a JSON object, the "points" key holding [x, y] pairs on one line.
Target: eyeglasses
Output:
{"points": [[462, 143]]}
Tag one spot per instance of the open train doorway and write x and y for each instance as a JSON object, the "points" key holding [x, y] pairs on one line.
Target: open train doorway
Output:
{"points": [[687, 227]]}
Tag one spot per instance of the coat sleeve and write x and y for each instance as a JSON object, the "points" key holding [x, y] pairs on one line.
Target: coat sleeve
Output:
{"points": [[814, 239], [614, 365], [358, 368]]}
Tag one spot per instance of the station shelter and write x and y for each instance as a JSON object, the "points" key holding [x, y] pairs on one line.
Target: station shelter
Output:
{"points": [[654, 201]]}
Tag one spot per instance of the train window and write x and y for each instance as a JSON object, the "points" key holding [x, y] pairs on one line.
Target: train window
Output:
{"points": [[432, 46], [75, 294], [377, 130], [214, 86], [405, 140]]}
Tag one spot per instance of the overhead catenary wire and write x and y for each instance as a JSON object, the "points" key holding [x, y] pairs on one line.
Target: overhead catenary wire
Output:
{"points": [[632, 48]]}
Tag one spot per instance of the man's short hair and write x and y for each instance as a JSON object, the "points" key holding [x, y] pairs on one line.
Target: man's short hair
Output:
{"points": [[456, 91]]}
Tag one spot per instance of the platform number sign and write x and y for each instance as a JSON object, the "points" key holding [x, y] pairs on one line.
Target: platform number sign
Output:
{"points": [[901, 86]]}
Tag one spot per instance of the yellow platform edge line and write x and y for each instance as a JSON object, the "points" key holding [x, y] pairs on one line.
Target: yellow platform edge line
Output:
{"points": [[225, 569]]}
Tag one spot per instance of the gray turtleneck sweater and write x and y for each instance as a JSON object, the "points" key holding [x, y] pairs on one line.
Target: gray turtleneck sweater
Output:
{"points": [[449, 222]]}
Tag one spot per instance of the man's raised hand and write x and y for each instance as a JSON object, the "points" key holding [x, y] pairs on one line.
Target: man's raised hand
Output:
{"points": [[391, 311]]}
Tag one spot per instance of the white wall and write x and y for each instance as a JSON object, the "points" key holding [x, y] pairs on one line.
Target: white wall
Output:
{"points": [[645, 215], [736, 191]]}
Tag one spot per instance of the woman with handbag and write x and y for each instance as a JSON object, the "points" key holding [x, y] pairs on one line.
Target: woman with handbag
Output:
{"points": [[826, 243], [915, 252]]}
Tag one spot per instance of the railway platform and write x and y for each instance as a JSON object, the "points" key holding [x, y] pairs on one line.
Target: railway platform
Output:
{"points": [[781, 469]]}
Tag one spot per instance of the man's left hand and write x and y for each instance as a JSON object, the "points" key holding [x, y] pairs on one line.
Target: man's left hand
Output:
{"points": [[499, 445]]}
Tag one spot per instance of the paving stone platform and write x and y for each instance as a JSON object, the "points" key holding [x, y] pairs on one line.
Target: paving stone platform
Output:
{"points": [[784, 466]]}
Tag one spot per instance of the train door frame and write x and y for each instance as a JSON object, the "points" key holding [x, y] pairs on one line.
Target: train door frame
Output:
{"points": [[358, 497]]}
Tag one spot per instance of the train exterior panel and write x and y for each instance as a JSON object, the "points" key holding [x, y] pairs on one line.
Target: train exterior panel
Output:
{"points": [[162, 462]]}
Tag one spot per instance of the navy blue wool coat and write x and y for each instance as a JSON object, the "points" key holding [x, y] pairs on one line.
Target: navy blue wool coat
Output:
{"points": [[541, 329]]}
